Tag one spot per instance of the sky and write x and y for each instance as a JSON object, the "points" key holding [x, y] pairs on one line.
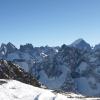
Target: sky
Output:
{"points": [[49, 22]]}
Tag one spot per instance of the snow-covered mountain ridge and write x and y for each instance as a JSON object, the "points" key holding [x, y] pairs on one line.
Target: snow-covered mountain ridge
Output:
{"points": [[71, 68]]}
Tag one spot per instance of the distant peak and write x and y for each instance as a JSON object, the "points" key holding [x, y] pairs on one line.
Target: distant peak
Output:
{"points": [[81, 44], [79, 41], [10, 45], [26, 47]]}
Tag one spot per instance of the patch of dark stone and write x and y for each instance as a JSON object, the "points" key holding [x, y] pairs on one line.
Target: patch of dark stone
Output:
{"points": [[2, 82], [12, 71]]}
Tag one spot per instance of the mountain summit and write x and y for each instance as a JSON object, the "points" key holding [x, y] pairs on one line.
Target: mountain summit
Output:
{"points": [[81, 44]]}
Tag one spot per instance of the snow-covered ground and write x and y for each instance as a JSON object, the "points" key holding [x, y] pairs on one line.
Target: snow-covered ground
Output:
{"points": [[15, 90]]}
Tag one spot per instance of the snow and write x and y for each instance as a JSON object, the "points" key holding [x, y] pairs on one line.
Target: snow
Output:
{"points": [[55, 82], [56, 50], [14, 90], [3, 48], [2, 52], [82, 67], [13, 56], [43, 55], [26, 56], [88, 86]]}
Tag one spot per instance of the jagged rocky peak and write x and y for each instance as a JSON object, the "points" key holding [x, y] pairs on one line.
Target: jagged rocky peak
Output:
{"points": [[81, 44], [27, 47], [69, 55], [7, 48], [11, 48], [9, 44]]}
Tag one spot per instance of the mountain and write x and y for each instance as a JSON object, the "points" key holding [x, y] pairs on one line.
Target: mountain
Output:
{"points": [[27, 47], [6, 48], [81, 44], [69, 68]]}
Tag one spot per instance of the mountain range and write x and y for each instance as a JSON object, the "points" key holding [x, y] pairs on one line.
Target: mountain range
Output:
{"points": [[68, 68]]}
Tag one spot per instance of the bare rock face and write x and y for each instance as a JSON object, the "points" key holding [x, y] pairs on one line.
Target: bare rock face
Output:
{"points": [[27, 47], [8, 70]]}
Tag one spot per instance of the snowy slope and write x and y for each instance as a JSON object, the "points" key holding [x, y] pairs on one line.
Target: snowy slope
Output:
{"points": [[15, 90]]}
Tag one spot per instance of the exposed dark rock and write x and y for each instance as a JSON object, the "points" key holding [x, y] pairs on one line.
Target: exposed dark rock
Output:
{"points": [[8, 70], [27, 47]]}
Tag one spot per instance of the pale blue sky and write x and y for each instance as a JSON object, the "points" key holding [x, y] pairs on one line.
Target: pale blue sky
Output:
{"points": [[49, 22]]}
